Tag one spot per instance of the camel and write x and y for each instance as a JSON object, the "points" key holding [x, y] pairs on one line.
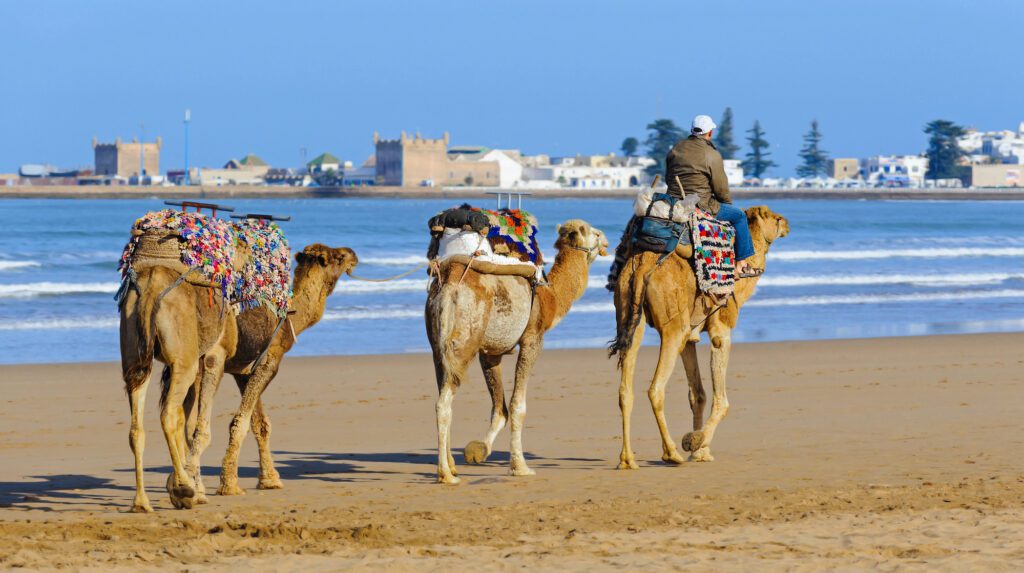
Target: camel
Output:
{"points": [[177, 329], [186, 325], [317, 273], [469, 313], [666, 302]]}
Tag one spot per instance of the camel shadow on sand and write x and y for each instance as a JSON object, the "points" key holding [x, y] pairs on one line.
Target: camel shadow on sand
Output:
{"points": [[428, 458], [58, 492]]}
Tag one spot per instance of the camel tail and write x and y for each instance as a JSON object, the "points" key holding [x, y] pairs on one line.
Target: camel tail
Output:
{"points": [[136, 368], [443, 325], [628, 314]]}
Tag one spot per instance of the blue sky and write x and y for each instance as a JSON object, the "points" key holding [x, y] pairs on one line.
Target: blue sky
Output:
{"points": [[556, 77]]}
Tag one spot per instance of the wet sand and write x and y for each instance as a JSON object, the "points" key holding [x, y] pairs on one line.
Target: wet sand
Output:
{"points": [[881, 454]]}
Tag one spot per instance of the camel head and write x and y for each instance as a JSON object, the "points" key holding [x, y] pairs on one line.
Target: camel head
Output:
{"points": [[578, 234], [334, 262], [771, 224]]}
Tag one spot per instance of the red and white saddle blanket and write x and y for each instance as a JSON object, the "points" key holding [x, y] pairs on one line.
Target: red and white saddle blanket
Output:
{"points": [[714, 256]]}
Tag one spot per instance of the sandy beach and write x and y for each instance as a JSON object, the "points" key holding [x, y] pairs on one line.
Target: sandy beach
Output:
{"points": [[873, 454]]}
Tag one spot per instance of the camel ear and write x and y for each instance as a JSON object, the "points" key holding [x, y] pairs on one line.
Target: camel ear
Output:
{"points": [[758, 212], [558, 229]]}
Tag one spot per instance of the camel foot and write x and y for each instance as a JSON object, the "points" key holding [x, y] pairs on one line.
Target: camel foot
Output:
{"points": [[522, 471], [628, 465], [270, 483], [702, 455], [141, 506], [230, 489], [449, 480], [693, 441], [475, 452], [182, 494], [673, 458], [201, 498]]}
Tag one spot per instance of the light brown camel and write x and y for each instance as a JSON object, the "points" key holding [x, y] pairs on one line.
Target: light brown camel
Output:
{"points": [[317, 273], [667, 304], [176, 330], [470, 313], [186, 327]]}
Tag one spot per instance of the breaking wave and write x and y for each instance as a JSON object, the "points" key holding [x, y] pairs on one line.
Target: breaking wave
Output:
{"points": [[952, 252], [29, 290], [59, 323], [11, 265]]}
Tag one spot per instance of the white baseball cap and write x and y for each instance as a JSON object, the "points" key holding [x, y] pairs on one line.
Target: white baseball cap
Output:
{"points": [[702, 124]]}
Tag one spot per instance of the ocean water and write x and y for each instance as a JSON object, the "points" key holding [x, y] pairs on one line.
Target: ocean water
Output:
{"points": [[848, 269]]}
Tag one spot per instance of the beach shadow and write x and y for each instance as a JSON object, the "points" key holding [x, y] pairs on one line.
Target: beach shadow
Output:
{"points": [[57, 492]]}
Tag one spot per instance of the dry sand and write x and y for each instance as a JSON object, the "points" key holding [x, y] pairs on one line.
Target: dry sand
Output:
{"points": [[887, 454]]}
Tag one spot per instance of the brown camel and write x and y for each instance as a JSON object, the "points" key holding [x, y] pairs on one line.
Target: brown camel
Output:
{"points": [[177, 330], [666, 302], [317, 273], [184, 328], [470, 313]]}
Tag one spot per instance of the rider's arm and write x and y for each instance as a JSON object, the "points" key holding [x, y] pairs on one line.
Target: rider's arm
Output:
{"points": [[719, 182], [673, 171]]}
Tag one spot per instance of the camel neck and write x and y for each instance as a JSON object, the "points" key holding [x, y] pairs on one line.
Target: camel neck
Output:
{"points": [[309, 298], [568, 279], [745, 287]]}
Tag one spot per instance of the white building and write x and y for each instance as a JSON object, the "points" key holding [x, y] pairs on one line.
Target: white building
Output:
{"points": [[894, 170], [994, 146], [586, 172], [510, 169], [733, 172]]}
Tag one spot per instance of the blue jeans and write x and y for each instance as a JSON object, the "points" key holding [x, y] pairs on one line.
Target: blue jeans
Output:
{"points": [[738, 218]]}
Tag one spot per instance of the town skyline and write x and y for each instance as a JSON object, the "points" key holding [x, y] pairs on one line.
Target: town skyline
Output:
{"points": [[558, 78]]}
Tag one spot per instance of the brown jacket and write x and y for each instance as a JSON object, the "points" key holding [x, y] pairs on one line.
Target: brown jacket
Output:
{"points": [[698, 165]]}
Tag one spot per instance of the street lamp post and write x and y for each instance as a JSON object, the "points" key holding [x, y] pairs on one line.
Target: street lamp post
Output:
{"points": [[188, 118], [142, 152]]}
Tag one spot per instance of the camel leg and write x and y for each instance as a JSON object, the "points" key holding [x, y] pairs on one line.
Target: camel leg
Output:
{"points": [[258, 382], [269, 478], [212, 372], [172, 420], [699, 441], [137, 438], [672, 340], [626, 459], [698, 399], [188, 406], [449, 369], [476, 452], [445, 473], [529, 348]]}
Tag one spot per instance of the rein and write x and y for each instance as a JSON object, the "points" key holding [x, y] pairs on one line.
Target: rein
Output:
{"points": [[386, 279]]}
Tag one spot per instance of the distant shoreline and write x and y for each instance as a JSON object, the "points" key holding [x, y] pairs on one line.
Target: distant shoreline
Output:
{"points": [[264, 192]]}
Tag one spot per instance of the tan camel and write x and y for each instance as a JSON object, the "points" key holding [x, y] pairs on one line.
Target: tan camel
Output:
{"points": [[470, 313], [186, 327], [317, 273], [666, 303], [176, 330]]}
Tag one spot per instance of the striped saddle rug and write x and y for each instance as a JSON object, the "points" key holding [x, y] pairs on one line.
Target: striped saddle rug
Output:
{"points": [[714, 259]]}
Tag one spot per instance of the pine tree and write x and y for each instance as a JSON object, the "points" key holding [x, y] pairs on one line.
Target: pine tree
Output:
{"points": [[629, 146], [757, 162], [943, 150], [723, 136], [815, 159], [664, 133]]}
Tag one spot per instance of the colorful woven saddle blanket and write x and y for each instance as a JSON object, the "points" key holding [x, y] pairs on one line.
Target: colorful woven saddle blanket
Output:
{"points": [[511, 232], [266, 277], [249, 261], [714, 259], [514, 230]]}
